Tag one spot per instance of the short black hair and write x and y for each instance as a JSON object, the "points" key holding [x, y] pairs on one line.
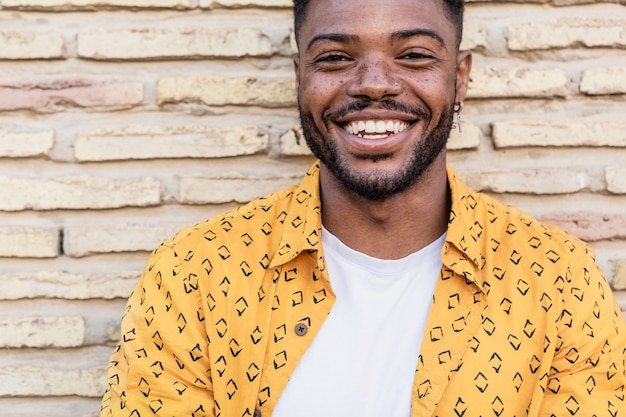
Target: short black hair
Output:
{"points": [[454, 12]]}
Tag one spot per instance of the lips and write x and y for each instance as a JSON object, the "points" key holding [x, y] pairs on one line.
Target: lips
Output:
{"points": [[374, 129]]}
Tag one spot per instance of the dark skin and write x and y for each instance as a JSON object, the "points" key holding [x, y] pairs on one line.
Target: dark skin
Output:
{"points": [[395, 63]]}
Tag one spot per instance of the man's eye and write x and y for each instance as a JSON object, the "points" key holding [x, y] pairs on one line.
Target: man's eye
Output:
{"points": [[332, 58], [415, 55]]}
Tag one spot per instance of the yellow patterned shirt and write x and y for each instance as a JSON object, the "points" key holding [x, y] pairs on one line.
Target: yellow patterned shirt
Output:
{"points": [[522, 322]]}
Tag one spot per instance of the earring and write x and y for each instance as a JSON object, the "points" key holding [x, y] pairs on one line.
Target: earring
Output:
{"points": [[457, 110]]}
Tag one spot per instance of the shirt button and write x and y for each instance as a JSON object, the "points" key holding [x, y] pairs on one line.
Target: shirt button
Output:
{"points": [[301, 329], [257, 413]]}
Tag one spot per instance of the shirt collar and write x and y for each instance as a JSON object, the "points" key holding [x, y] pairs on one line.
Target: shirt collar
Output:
{"points": [[461, 253], [303, 220]]}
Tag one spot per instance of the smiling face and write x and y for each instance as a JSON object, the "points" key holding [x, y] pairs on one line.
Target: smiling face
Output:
{"points": [[377, 83]]}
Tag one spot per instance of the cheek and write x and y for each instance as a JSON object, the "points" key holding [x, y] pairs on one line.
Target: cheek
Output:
{"points": [[320, 91], [435, 90]]}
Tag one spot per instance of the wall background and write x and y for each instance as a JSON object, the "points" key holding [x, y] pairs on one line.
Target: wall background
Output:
{"points": [[123, 120]]}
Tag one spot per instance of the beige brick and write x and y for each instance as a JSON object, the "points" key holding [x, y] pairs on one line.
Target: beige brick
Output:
{"points": [[245, 3], [173, 43], [84, 240], [589, 226], [143, 142], [293, 43], [293, 143], [599, 81], [531, 181], [40, 382], [468, 138], [474, 36], [50, 407], [25, 144], [29, 242], [619, 275], [90, 4], [567, 32], [616, 180], [517, 133], [221, 91], [199, 189], [80, 192], [42, 332], [59, 94], [513, 82], [66, 285], [31, 45]]}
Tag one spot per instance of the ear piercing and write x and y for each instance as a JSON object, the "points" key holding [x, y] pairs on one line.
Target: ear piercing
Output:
{"points": [[457, 110]]}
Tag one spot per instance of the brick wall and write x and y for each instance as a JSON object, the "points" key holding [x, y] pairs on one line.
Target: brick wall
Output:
{"points": [[123, 120]]}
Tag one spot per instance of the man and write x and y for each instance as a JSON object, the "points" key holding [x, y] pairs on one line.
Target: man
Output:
{"points": [[380, 286]]}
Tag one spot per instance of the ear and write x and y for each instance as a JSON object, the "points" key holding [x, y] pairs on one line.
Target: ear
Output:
{"points": [[296, 68], [463, 68]]}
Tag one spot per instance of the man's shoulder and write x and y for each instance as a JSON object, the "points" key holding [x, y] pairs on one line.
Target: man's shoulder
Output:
{"points": [[263, 216], [502, 222]]}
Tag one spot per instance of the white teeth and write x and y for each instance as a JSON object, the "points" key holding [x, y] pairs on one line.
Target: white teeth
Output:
{"points": [[375, 136], [374, 129]]}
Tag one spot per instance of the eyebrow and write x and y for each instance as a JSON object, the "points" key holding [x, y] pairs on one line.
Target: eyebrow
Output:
{"points": [[395, 36], [405, 34], [333, 37]]}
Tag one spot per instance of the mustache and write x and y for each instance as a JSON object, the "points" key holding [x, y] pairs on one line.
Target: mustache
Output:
{"points": [[388, 104]]}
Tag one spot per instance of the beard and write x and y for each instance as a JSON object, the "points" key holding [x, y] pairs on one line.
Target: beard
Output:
{"points": [[378, 184]]}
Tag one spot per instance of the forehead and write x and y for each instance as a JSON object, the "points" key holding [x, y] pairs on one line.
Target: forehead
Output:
{"points": [[376, 18]]}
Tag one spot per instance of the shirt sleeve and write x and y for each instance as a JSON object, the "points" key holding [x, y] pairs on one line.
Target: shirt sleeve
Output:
{"points": [[588, 371], [161, 366]]}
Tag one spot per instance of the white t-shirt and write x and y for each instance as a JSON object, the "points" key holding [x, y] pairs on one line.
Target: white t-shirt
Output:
{"points": [[362, 362]]}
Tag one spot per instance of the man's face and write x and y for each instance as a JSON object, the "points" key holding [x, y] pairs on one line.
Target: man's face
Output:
{"points": [[377, 82]]}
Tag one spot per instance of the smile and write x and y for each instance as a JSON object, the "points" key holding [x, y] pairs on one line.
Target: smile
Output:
{"points": [[375, 129]]}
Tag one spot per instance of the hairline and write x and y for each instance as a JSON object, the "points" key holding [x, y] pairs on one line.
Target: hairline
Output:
{"points": [[300, 8]]}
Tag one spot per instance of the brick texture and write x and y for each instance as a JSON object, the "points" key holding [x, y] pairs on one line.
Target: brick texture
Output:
{"points": [[66, 285], [616, 179], [531, 181], [59, 94], [513, 82], [90, 4], [52, 382], [82, 192], [144, 142], [122, 121], [39, 332], [590, 226], [245, 3], [14, 144], [221, 91], [31, 45], [29, 242], [597, 81], [516, 133], [83, 240], [147, 43], [195, 189], [588, 32]]}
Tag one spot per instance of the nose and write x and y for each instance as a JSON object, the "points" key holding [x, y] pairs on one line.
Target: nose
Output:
{"points": [[374, 80]]}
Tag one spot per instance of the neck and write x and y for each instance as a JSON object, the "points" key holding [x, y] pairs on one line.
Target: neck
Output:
{"points": [[391, 228]]}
